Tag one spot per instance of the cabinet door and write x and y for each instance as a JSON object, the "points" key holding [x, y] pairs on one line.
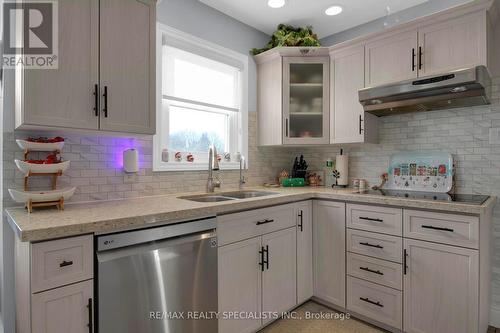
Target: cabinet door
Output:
{"points": [[304, 251], [440, 288], [64, 97], [63, 310], [306, 100], [127, 67], [391, 59], [453, 44], [349, 122], [240, 280], [329, 251], [279, 280]]}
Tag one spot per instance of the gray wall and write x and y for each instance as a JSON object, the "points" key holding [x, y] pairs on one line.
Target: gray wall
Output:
{"points": [[195, 18], [427, 8]]}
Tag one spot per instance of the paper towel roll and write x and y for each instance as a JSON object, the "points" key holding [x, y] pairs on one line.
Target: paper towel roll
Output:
{"points": [[130, 160], [341, 165]]}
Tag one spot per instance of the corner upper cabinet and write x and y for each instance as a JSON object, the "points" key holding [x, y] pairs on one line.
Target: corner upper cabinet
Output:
{"points": [[293, 96], [105, 79], [349, 122]]}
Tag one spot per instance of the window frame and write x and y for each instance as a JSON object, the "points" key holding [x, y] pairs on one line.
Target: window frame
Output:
{"points": [[239, 120]]}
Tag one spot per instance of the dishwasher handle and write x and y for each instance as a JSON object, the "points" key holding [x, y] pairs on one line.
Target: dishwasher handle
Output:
{"points": [[135, 237]]}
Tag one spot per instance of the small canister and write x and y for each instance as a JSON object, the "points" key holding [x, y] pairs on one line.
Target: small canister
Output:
{"points": [[362, 184], [355, 183]]}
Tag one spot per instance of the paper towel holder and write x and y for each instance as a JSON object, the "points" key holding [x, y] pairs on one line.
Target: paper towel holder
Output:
{"points": [[131, 161]]}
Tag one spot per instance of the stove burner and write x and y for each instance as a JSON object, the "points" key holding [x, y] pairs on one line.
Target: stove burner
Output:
{"points": [[471, 199]]}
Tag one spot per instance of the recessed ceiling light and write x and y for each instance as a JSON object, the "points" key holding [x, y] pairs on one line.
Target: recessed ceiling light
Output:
{"points": [[333, 10], [276, 3]]}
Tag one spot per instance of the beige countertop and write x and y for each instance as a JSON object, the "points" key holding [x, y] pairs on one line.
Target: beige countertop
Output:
{"points": [[118, 215]]}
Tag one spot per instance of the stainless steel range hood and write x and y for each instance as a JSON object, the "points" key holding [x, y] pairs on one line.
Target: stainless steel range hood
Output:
{"points": [[457, 89]]}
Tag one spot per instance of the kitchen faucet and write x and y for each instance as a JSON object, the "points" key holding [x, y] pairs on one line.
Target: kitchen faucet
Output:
{"points": [[242, 166], [213, 165]]}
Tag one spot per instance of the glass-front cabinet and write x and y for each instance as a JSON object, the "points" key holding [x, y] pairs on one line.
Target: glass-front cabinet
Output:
{"points": [[306, 100]]}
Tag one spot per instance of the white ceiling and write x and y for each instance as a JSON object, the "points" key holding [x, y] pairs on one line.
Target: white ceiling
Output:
{"points": [[257, 14]]}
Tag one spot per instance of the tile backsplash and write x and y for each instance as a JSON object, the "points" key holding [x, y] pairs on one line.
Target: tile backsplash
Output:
{"points": [[97, 173]]}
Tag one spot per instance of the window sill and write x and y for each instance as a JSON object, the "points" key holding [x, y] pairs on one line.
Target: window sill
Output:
{"points": [[183, 166]]}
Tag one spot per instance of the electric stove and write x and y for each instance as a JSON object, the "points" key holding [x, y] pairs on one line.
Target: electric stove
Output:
{"points": [[470, 199]]}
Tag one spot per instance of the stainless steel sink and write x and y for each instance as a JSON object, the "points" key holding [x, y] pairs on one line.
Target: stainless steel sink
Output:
{"points": [[247, 194], [207, 198], [227, 196]]}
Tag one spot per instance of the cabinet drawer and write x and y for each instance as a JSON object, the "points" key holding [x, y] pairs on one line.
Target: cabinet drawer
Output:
{"points": [[383, 272], [375, 245], [376, 302], [453, 229], [60, 262], [235, 227], [374, 218]]}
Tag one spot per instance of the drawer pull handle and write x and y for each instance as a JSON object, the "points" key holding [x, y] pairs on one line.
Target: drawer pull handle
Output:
{"points": [[301, 223], [371, 245], [371, 219], [371, 270], [264, 221], [367, 300], [66, 263], [437, 228], [91, 315]]}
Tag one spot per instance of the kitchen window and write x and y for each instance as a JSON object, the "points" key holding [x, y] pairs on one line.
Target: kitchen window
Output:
{"points": [[202, 102]]}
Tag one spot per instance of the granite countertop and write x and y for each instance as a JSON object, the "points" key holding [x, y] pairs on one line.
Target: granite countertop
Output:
{"points": [[118, 215]]}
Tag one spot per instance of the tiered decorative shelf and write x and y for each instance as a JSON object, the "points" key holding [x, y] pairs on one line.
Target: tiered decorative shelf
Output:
{"points": [[52, 197]]}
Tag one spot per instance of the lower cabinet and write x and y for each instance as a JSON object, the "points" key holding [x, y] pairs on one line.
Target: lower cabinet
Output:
{"points": [[256, 275], [64, 310], [240, 284], [329, 252], [304, 214], [440, 288], [279, 280]]}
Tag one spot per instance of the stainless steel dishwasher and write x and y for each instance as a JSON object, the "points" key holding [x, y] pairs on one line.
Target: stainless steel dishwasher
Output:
{"points": [[158, 280]]}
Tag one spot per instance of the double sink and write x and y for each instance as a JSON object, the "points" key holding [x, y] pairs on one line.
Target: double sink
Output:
{"points": [[227, 196]]}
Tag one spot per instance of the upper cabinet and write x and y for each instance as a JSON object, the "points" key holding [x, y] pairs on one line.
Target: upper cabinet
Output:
{"points": [[105, 79], [349, 123], [293, 96], [453, 44], [391, 58]]}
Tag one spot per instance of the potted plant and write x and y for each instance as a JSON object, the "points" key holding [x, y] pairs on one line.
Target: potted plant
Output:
{"points": [[287, 35]]}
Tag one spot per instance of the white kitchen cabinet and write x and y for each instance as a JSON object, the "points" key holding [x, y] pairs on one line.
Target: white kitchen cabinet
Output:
{"points": [[453, 44], [105, 79], [440, 288], [391, 58], [349, 123], [240, 284], [63, 97], [329, 252], [306, 100], [67, 309], [279, 282], [127, 63], [304, 214], [293, 96]]}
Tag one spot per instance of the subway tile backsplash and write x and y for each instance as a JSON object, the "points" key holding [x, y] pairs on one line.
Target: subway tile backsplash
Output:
{"points": [[97, 173]]}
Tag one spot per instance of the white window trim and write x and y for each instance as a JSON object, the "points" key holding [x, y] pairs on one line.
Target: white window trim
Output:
{"points": [[172, 33]]}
